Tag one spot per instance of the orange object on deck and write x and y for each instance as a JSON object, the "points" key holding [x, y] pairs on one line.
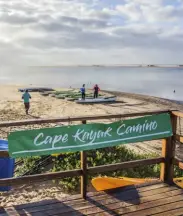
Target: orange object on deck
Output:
{"points": [[106, 183]]}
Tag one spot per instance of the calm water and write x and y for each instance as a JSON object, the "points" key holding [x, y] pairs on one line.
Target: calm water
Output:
{"points": [[159, 82]]}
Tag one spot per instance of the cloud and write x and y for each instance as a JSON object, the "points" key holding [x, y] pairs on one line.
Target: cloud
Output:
{"points": [[150, 11], [129, 31], [16, 19]]}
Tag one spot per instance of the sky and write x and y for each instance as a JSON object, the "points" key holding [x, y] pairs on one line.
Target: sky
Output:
{"points": [[69, 32]]}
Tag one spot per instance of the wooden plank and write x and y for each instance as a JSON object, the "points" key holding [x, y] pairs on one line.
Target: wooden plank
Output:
{"points": [[84, 174], [127, 206], [114, 201], [84, 171], [40, 177], [143, 200], [171, 152], [121, 191], [73, 173], [165, 153], [124, 165], [128, 196], [179, 138], [79, 118], [177, 114], [178, 163], [157, 207], [94, 195], [175, 212], [168, 152], [85, 204], [97, 195], [149, 208], [67, 201], [174, 124], [93, 207]]}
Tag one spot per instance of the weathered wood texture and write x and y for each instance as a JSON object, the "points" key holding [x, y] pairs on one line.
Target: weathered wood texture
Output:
{"points": [[178, 163], [79, 172], [84, 174], [40, 177], [149, 199], [179, 135], [177, 114], [124, 165], [84, 171], [168, 152], [179, 147]]}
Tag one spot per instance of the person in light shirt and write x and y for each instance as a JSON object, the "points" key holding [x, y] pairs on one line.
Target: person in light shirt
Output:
{"points": [[83, 92], [26, 97]]}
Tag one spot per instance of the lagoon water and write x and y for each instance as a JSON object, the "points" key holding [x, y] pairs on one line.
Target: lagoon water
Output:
{"points": [[160, 82]]}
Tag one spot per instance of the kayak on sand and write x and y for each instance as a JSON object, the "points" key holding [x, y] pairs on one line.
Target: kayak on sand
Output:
{"points": [[96, 100]]}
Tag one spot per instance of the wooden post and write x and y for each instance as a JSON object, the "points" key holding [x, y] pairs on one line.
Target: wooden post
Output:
{"points": [[84, 171], [168, 152], [4, 154]]}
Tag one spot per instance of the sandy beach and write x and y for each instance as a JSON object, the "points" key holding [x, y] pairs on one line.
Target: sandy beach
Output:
{"points": [[12, 108]]}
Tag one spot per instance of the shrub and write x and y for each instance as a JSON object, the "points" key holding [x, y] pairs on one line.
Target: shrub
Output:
{"points": [[70, 161]]}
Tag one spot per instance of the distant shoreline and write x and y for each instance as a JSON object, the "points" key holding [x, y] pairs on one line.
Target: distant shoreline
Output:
{"points": [[128, 66], [147, 98]]}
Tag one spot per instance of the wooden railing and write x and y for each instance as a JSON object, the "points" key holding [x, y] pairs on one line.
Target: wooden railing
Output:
{"points": [[176, 161], [167, 160]]}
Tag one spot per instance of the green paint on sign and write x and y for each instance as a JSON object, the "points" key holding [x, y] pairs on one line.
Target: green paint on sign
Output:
{"points": [[90, 136]]}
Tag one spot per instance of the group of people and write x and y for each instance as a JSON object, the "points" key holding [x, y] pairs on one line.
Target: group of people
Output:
{"points": [[96, 90], [26, 96]]}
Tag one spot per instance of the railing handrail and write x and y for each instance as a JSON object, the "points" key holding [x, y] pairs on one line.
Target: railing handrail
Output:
{"points": [[78, 172], [167, 160], [79, 118], [177, 113]]}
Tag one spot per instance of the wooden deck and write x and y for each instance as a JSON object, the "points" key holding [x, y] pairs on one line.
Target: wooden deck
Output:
{"points": [[150, 199]]}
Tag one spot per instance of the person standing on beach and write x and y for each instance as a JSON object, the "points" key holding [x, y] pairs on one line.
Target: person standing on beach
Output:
{"points": [[83, 92], [96, 90], [26, 97]]}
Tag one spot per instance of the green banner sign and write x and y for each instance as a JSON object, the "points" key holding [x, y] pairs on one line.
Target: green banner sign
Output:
{"points": [[90, 136]]}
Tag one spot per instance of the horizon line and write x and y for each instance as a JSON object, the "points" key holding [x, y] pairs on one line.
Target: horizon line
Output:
{"points": [[110, 65]]}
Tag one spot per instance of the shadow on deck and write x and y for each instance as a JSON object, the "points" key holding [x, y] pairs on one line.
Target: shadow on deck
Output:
{"points": [[148, 199]]}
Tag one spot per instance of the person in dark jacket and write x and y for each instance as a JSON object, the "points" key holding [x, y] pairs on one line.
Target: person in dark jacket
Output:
{"points": [[96, 91]]}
